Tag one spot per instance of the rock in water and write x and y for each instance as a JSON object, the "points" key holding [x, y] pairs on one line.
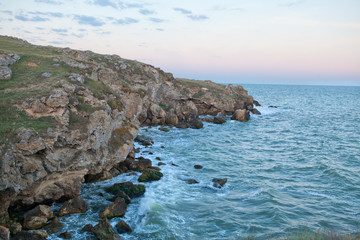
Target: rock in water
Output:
{"points": [[24, 235], [150, 175], [143, 140], [65, 235], [4, 233], [123, 227], [192, 181], [37, 217], [196, 124], [54, 226], [104, 231], [75, 205], [241, 115], [219, 118], [132, 190], [116, 209], [198, 166], [255, 111], [256, 103], [219, 182]]}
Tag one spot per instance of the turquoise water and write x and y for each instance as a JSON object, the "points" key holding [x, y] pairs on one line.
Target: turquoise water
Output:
{"points": [[293, 168]]}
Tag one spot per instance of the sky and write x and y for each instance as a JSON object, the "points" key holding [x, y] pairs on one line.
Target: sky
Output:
{"points": [[227, 41]]}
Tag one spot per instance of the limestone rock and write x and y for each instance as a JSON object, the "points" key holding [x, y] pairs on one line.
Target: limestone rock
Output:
{"points": [[37, 217], [5, 72], [123, 227], [219, 182], [76, 205], [132, 190], [116, 209], [143, 140], [241, 115], [104, 231], [219, 118], [150, 175]]}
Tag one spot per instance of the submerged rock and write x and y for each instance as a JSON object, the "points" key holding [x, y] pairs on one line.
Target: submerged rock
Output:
{"points": [[140, 165], [150, 175], [164, 129], [208, 119], [116, 209], [192, 181], [161, 163], [256, 103], [241, 115], [121, 195], [75, 205], [104, 231], [219, 118], [132, 190], [37, 217], [123, 227], [87, 228], [219, 182]]}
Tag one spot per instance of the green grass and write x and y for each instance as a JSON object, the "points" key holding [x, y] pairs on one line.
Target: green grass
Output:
{"points": [[99, 89], [87, 108]]}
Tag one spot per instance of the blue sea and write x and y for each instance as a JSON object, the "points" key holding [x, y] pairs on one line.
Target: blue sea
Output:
{"points": [[294, 168]]}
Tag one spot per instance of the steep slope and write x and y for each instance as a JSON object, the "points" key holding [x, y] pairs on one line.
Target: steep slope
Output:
{"points": [[66, 114]]}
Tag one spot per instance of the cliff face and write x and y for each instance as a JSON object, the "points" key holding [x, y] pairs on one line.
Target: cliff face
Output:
{"points": [[67, 114]]}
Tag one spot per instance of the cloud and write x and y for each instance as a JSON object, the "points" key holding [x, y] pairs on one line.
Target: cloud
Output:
{"points": [[291, 4], [157, 20], [60, 42], [49, 14], [197, 17], [160, 29], [59, 30], [88, 20], [146, 11], [78, 35], [25, 18], [53, 2], [182, 10], [7, 12], [125, 21], [105, 3]]}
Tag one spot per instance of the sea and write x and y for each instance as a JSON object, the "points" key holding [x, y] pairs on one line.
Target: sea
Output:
{"points": [[293, 169]]}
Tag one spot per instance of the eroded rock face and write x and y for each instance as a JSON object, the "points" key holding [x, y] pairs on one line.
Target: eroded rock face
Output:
{"points": [[38, 217], [96, 112]]}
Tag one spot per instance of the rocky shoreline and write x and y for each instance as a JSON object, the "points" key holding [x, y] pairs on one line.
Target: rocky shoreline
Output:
{"points": [[72, 116]]}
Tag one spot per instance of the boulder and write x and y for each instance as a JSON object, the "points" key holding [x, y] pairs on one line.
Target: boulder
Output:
{"points": [[104, 231], [25, 235], [196, 124], [140, 165], [15, 228], [116, 209], [42, 233], [150, 175], [114, 172], [37, 217], [65, 235], [219, 182], [255, 111], [158, 158], [156, 114], [123, 227], [241, 115], [171, 119], [121, 195], [54, 226], [87, 228], [198, 166], [5, 73], [192, 181], [132, 190], [4, 233], [182, 125], [46, 74], [219, 118], [143, 140], [75, 205], [256, 103]]}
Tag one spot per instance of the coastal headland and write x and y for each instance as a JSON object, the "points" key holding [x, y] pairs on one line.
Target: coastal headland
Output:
{"points": [[70, 116]]}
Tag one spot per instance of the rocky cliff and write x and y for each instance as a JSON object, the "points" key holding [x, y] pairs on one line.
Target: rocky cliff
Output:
{"points": [[67, 115]]}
